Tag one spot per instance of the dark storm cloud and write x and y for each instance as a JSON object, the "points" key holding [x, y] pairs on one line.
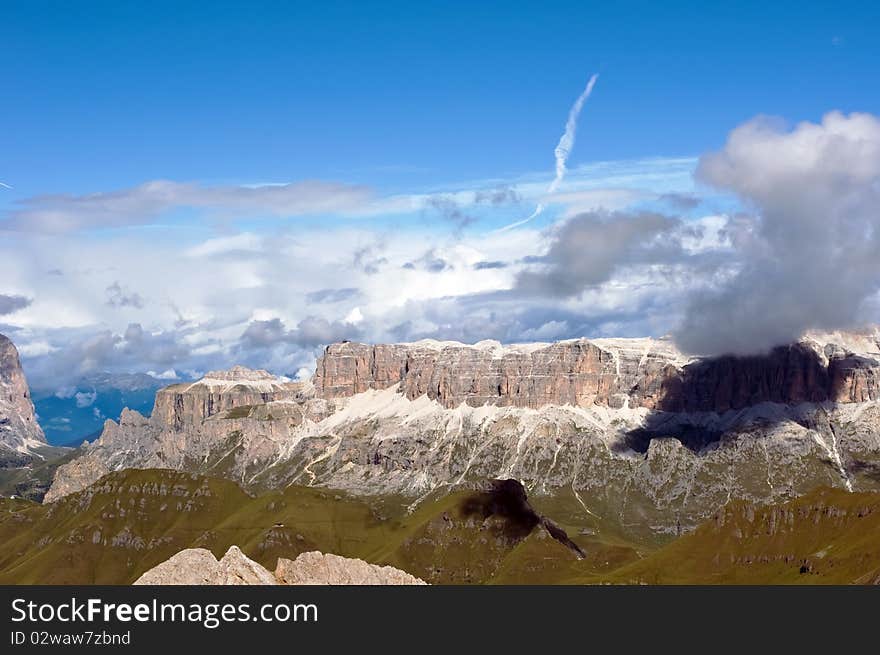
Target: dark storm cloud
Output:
{"points": [[588, 249], [485, 266], [308, 333], [10, 304]]}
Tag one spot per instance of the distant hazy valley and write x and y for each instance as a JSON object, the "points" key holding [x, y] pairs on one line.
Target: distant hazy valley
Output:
{"points": [[71, 415]]}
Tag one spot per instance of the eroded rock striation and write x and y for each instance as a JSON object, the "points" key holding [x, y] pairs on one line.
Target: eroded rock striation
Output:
{"points": [[577, 372]]}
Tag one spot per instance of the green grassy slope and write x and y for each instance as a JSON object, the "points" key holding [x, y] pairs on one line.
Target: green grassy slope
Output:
{"points": [[32, 477], [826, 537], [132, 520]]}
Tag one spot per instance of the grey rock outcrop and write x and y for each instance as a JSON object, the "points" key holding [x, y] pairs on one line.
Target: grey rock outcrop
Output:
{"points": [[316, 568], [198, 566], [19, 430]]}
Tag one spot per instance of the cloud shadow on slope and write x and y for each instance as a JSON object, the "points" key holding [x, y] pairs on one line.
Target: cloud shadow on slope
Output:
{"points": [[787, 375]]}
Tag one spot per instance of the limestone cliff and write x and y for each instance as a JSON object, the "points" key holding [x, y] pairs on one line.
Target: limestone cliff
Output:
{"points": [[578, 372], [19, 431], [648, 373], [316, 568], [185, 426], [185, 404]]}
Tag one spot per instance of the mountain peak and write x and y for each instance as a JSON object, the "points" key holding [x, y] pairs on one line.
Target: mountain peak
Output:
{"points": [[19, 430]]}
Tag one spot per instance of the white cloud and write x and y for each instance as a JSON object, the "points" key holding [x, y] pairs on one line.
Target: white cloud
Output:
{"points": [[578, 202], [85, 399], [169, 374], [244, 242], [547, 332], [144, 204], [270, 296], [809, 258], [354, 316], [35, 348]]}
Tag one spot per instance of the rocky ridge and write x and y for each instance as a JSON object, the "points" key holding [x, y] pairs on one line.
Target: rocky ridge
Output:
{"points": [[188, 403], [198, 566]]}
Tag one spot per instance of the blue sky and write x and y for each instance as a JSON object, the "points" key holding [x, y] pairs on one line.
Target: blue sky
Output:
{"points": [[195, 185], [396, 95]]}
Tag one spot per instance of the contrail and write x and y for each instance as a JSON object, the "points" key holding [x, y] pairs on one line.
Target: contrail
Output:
{"points": [[5, 186], [563, 149]]}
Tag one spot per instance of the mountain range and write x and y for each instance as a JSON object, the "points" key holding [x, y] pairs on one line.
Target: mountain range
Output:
{"points": [[629, 430], [627, 449]]}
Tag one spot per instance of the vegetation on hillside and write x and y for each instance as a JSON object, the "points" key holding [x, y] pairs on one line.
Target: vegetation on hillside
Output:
{"points": [[132, 520]]}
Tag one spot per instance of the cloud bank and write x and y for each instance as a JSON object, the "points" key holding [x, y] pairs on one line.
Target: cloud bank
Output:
{"points": [[809, 259], [634, 251], [145, 203]]}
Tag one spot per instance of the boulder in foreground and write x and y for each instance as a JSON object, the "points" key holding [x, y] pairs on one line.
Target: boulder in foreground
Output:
{"points": [[316, 568], [198, 566]]}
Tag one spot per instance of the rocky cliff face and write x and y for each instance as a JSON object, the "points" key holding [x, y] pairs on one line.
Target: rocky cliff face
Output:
{"points": [[805, 372], [188, 404], [198, 566], [190, 422], [580, 372], [648, 373], [19, 431], [628, 430]]}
